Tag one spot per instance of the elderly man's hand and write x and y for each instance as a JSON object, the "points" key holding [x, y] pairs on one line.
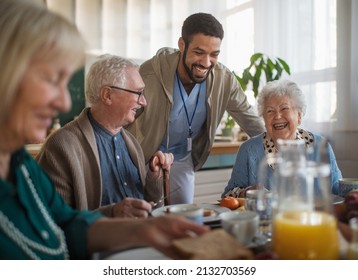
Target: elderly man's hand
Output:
{"points": [[132, 208], [161, 160]]}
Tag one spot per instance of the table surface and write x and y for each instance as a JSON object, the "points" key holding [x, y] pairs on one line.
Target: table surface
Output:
{"points": [[148, 253]]}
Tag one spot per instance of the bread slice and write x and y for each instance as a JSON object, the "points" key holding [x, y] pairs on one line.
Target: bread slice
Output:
{"points": [[215, 245]]}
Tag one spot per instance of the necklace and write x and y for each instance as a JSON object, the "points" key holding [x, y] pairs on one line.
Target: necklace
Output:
{"points": [[27, 245]]}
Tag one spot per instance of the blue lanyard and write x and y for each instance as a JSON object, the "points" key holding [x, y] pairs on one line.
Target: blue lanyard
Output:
{"points": [[186, 110]]}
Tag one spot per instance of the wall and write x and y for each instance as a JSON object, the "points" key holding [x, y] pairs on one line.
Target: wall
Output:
{"points": [[345, 133], [76, 88], [345, 147]]}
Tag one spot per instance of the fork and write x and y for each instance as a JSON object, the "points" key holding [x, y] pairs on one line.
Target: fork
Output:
{"points": [[163, 198]]}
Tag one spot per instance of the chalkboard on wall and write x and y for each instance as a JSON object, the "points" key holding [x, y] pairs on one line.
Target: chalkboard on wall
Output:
{"points": [[76, 87]]}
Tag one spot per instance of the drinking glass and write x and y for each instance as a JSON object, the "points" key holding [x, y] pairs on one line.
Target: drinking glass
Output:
{"points": [[304, 226], [266, 194]]}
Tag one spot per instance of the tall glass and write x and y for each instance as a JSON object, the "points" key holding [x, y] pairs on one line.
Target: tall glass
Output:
{"points": [[266, 194], [304, 226]]}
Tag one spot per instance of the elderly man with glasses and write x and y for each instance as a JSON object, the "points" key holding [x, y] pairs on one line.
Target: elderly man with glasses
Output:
{"points": [[94, 162]]}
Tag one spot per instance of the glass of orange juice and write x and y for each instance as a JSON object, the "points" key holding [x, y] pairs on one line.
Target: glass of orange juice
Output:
{"points": [[305, 235], [303, 226]]}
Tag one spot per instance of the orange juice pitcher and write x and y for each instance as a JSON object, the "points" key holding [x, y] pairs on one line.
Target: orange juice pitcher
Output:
{"points": [[303, 225]]}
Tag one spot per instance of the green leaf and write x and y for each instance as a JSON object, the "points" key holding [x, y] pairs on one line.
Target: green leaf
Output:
{"points": [[239, 79], [255, 57], [268, 73], [273, 68], [255, 87], [279, 71], [284, 65], [246, 75], [257, 75], [270, 64]]}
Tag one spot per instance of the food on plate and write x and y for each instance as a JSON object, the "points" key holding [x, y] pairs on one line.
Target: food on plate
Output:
{"points": [[232, 202], [209, 212], [214, 245]]}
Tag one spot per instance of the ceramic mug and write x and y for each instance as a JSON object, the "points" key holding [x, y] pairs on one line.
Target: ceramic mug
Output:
{"points": [[346, 185], [190, 211], [242, 225]]}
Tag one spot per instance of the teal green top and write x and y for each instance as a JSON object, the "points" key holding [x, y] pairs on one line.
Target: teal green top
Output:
{"points": [[18, 204]]}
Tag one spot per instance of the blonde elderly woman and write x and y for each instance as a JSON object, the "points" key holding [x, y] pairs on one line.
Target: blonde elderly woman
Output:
{"points": [[41, 51], [281, 104]]}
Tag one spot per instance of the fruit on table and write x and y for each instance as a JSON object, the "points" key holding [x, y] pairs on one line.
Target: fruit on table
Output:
{"points": [[352, 199], [241, 201], [230, 202]]}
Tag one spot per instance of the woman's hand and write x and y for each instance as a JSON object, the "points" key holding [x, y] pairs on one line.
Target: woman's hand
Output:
{"points": [[161, 231], [116, 234], [244, 190]]}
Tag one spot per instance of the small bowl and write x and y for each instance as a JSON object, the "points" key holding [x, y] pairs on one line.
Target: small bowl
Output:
{"points": [[189, 211], [242, 225], [346, 185]]}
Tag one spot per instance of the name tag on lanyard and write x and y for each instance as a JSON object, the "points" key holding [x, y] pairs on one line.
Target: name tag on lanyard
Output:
{"points": [[190, 120], [189, 144]]}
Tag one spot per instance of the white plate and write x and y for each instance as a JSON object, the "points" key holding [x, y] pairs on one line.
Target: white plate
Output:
{"points": [[337, 199], [143, 253], [213, 218]]}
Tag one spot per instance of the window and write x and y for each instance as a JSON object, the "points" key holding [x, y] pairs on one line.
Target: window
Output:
{"points": [[303, 33]]}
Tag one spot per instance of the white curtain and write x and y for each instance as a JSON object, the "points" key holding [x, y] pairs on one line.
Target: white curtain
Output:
{"points": [[303, 33]]}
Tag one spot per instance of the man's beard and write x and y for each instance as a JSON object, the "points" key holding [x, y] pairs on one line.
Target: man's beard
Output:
{"points": [[190, 72]]}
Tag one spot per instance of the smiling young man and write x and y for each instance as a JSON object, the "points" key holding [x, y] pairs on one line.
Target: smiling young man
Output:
{"points": [[188, 93]]}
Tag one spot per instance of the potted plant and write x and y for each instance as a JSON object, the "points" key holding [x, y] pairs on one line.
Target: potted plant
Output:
{"points": [[229, 124], [273, 68]]}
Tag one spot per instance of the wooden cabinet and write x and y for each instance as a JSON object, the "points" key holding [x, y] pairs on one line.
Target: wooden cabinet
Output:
{"points": [[209, 184]]}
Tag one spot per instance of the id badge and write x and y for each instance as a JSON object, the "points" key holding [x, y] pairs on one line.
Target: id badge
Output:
{"points": [[188, 140]]}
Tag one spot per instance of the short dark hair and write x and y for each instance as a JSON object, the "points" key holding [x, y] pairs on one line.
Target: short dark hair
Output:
{"points": [[203, 23]]}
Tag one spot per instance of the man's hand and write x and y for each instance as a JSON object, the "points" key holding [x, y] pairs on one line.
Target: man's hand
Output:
{"points": [[161, 160], [132, 208]]}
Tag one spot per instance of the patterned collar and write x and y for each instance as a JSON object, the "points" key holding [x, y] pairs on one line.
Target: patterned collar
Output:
{"points": [[269, 145]]}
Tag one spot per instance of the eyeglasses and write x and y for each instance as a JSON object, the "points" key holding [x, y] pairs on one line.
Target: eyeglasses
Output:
{"points": [[139, 93]]}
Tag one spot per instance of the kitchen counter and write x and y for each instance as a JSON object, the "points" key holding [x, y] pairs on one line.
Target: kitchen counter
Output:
{"points": [[220, 148], [33, 149]]}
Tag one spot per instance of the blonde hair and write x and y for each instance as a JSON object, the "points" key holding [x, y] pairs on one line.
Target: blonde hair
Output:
{"points": [[30, 32]]}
